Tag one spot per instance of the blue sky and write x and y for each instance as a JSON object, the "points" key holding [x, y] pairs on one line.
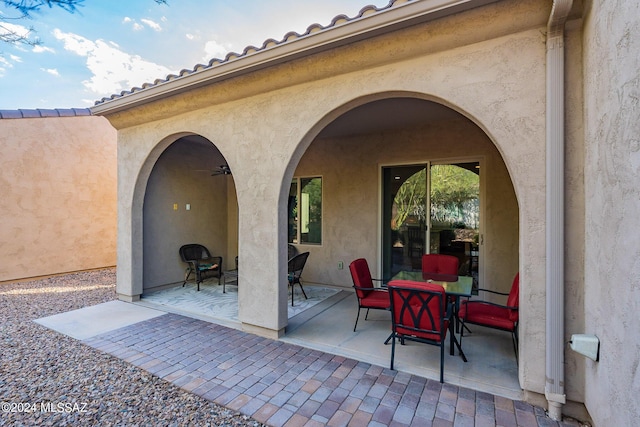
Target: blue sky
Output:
{"points": [[112, 45]]}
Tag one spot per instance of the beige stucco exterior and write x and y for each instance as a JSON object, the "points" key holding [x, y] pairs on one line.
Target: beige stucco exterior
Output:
{"points": [[612, 170], [486, 65], [58, 191]]}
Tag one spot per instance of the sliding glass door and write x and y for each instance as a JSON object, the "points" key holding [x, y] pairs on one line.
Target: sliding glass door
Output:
{"points": [[434, 212]]}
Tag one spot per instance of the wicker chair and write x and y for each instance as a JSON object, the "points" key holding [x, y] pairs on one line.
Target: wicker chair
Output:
{"points": [[200, 263]]}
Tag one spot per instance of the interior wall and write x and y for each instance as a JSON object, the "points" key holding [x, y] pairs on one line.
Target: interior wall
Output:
{"points": [[181, 176], [58, 190], [350, 171]]}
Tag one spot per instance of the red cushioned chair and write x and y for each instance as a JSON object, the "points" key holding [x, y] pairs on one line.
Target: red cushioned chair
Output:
{"points": [[492, 315], [443, 268], [420, 313], [368, 296], [440, 267]]}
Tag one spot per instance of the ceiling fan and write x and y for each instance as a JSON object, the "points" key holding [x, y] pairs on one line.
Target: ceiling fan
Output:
{"points": [[220, 170]]}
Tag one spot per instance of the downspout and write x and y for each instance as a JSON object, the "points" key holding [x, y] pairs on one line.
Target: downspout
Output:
{"points": [[554, 384]]}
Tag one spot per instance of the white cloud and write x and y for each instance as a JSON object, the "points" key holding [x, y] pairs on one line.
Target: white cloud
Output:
{"points": [[42, 49], [137, 26], [113, 70], [151, 24], [51, 71], [14, 58], [213, 49], [18, 30], [4, 64], [190, 36]]}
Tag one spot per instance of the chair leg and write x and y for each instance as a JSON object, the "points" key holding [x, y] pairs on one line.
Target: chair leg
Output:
{"points": [[366, 316], [393, 347], [389, 339], [302, 289], [441, 362], [357, 317], [187, 273], [453, 341]]}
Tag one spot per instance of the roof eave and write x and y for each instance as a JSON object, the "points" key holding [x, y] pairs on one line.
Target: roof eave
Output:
{"points": [[405, 15]]}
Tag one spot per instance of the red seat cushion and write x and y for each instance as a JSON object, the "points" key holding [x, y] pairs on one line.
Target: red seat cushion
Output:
{"points": [[375, 299], [486, 314]]}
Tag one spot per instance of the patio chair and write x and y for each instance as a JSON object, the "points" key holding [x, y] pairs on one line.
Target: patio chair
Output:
{"points": [[440, 267], [443, 268], [420, 313], [368, 296], [200, 262], [291, 251], [295, 267], [492, 315], [232, 274]]}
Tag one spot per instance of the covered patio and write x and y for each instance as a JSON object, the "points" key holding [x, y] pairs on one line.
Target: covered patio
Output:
{"points": [[341, 114]]}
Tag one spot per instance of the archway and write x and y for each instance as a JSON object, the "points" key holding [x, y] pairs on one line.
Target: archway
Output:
{"points": [[186, 200], [348, 148]]}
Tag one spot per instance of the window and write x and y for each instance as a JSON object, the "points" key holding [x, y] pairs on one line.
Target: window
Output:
{"points": [[305, 210]]}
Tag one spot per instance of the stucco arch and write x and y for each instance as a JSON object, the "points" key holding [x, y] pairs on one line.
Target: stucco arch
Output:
{"points": [[335, 112], [137, 212]]}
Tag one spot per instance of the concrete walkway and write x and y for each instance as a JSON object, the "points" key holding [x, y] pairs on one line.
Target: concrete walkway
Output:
{"points": [[282, 384]]}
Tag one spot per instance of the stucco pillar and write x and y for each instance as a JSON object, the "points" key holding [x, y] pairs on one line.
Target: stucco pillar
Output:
{"points": [[262, 290]]}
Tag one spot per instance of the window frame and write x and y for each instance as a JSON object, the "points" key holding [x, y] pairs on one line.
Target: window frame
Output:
{"points": [[297, 240]]}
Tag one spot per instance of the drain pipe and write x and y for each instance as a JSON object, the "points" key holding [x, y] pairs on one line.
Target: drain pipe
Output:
{"points": [[554, 384]]}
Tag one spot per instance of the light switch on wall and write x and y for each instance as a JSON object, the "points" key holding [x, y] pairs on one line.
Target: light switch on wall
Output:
{"points": [[188, 206]]}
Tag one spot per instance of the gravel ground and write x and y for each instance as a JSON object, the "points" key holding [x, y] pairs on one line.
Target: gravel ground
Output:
{"points": [[69, 383]]}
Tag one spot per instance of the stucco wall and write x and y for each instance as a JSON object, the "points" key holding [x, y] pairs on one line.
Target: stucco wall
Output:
{"points": [[612, 232], [350, 170], [487, 64], [58, 195]]}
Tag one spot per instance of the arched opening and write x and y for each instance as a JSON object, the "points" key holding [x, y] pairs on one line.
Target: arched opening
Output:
{"points": [[351, 150], [189, 199]]}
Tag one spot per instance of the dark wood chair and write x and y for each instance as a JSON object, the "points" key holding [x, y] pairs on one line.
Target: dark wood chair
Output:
{"points": [[420, 312], [368, 296], [295, 267], [200, 263]]}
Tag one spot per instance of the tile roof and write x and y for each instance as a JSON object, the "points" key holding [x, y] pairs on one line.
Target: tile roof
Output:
{"points": [[42, 112], [249, 50]]}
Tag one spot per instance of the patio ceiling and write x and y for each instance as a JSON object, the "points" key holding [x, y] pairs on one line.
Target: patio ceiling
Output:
{"points": [[386, 115]]}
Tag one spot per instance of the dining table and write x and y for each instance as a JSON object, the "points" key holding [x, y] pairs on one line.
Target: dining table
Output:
{"points": [[460, 288]]}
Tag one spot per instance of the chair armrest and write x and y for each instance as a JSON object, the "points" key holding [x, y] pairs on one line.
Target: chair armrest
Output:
{"points": [[467, 302], [370, 289], [212, 260], [492, 292]]}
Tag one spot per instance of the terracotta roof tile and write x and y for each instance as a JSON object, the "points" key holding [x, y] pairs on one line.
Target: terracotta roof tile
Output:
{"points": [[249, 50]]}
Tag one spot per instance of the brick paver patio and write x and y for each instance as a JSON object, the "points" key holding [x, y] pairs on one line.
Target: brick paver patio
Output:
{"points": [[281, 384]]}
